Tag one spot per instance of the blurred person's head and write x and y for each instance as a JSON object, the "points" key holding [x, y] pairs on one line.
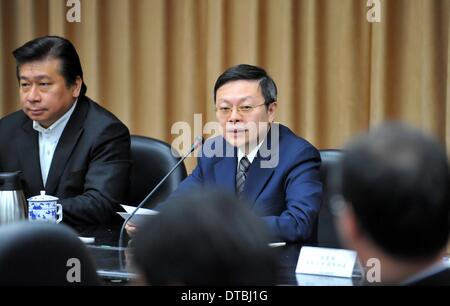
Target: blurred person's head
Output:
{"points": [[395, 183], [245, 98], [50, 78], [207, 238]]}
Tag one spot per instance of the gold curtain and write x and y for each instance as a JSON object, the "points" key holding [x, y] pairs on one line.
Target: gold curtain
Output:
{"points": [[154, 62]]}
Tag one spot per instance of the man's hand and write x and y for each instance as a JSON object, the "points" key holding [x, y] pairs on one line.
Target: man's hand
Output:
{"points": [[131, 229]]}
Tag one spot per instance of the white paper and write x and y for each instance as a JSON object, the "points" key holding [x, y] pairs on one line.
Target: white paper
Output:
{"points": [[87, 239], [140, 211], [141, 215], [326, 261]]}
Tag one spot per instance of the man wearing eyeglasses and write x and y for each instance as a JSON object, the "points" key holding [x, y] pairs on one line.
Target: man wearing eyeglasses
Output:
{"points": [[264, 163]]}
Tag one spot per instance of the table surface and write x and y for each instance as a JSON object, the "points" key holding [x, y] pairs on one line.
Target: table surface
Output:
{"points": [[113, 267]]}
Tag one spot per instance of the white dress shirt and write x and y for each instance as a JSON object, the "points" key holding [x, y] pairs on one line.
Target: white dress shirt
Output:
{"points": [[251, 156], [48, 140]]}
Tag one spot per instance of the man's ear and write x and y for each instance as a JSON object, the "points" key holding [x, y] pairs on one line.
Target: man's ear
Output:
{"points": [[76, 87], [271, 110]]}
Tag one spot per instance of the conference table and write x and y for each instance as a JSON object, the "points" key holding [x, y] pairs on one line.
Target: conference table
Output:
{"points": [[115, 269]]}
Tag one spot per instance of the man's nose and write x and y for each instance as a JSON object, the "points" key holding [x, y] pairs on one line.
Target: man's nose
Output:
{"points": [[33, 94], [235, 116]]}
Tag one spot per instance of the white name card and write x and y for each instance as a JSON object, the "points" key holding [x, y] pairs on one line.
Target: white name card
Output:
{"points": [[326, 261]]}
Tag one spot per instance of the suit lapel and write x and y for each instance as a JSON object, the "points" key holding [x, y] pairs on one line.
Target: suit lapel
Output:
{"points": [[258, 176], [66, 145], [28, 149], [225, 173], [225, 169]]}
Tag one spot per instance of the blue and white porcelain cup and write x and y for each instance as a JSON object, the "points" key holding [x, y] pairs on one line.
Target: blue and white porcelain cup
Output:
{"points": [[44, 208]]}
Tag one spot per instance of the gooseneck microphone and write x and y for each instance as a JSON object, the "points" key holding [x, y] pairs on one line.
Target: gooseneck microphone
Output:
{"points": [[197, 143]]}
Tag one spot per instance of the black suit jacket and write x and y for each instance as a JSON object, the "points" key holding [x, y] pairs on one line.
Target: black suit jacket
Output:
{"points": [[90, 167]]}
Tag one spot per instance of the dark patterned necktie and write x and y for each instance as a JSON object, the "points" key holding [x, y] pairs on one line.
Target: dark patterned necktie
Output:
{"points": [[241, 174]]}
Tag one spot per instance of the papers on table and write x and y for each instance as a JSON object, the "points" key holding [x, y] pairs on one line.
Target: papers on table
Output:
{"points": [[87, 239], [141, 215]]}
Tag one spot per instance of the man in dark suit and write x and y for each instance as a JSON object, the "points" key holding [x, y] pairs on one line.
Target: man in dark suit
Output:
{"points": [[265, 163], [63, 142], [394, 205]]}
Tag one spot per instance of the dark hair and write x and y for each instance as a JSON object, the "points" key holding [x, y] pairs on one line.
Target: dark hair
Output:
{"points": [[251, 73], [54, 47], [204, 238], [397, 180]]}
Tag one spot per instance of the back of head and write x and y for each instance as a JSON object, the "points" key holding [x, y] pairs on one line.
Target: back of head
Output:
{"points": [[43, 254], [52, 47], [206, 238], [397, 181], [249, 73]]}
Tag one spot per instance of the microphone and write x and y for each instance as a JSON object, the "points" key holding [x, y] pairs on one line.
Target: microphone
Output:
{"points": [[197, 143]]}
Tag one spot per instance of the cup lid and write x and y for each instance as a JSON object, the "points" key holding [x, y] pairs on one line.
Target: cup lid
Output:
{"points": [[43, 197]]}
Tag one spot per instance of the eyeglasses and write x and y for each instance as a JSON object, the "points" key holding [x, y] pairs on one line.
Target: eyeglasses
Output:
{"points": [[241, 109]]}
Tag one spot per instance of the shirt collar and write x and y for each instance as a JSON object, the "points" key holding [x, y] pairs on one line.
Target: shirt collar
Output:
{"points": [[60, 122], [251, 156]]}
